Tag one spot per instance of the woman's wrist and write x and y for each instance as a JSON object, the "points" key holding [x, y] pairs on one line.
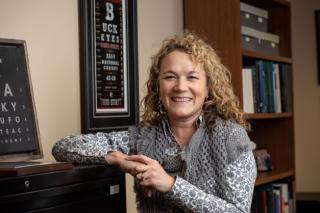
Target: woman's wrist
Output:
{"points": [[112, 158], [172, 181]]}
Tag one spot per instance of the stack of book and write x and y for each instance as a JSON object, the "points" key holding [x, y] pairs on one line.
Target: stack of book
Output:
{"points": [[266, 88], [272, 198]]}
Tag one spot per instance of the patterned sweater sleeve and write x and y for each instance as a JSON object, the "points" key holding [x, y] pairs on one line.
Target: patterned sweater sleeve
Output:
{"points": [[240, 179], [90, 148]]}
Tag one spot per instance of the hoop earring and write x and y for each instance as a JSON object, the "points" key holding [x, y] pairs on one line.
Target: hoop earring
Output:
{"points": [[206, 99], [161, 107], [200, 120]]}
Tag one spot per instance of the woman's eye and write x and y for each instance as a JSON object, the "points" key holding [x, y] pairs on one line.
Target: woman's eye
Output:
{"points": [[168, 77], [193, 77]]}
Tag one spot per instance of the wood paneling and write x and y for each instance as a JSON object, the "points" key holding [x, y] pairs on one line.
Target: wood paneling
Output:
{"points": [[219, 23]]}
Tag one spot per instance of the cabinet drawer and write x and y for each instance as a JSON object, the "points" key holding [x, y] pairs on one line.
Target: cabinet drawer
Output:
{"points": [[107, 195]]}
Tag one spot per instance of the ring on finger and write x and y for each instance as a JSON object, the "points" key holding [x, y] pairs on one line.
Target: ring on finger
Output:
{"points": [[140, 176], [143, 177]]}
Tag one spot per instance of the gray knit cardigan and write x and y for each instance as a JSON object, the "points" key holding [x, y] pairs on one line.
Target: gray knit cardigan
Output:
{"points": [[215, 173]]}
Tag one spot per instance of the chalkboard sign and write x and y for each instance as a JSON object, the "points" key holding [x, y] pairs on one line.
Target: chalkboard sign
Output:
{"points": [[19, 138]]}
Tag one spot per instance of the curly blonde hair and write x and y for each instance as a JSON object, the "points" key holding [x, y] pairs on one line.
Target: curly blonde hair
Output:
{"points": [[221, 101]]}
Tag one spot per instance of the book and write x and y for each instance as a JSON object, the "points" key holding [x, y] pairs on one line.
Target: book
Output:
{"points": [[262, 87], [254, 204], [264, 202], [263, 199], [286, 88], [255, 88], [284, 196], [248, 103], [270, 200], [277, 199], [269, 85], [276, 88]]}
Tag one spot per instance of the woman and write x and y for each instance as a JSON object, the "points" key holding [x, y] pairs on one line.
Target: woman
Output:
{"points": [[191, 152]]}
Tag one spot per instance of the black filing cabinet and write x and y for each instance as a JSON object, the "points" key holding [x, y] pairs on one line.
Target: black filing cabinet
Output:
{"points": [[90, 189]]}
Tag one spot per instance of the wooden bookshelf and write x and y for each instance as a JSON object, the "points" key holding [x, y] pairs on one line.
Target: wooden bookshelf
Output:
{"points": [[268, 177], [256, 116], [257, 55], [219, 23]]}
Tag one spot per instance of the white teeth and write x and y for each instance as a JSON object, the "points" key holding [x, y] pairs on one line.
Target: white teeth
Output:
{"points": [[181, 99]]}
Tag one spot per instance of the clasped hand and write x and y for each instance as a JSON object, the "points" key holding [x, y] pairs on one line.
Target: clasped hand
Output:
{"points": [[148, 172], [151, 174]]}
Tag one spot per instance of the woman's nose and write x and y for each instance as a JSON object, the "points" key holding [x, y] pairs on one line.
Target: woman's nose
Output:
{"points": [[181, 84]]}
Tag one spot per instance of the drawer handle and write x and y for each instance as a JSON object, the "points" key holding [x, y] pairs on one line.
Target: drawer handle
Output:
{"points": [[114, 189]]}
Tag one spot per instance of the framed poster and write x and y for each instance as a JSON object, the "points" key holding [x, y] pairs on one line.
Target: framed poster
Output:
{"points": [[108, 60], [317, 16], [19, 133]]}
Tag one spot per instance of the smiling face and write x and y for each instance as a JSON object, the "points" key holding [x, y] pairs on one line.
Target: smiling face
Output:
{"points": [[183, 86]]}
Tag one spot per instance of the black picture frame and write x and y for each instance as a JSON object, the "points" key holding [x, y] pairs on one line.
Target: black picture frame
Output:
{"points": [[317, 21], [108, 65]]}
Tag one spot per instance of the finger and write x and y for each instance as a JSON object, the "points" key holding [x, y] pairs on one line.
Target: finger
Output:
{"points": [[143, 179], [140, 169], [145, 191], [140, 158], [144, 182], [148, 191], [140, 176], [133, 172]]}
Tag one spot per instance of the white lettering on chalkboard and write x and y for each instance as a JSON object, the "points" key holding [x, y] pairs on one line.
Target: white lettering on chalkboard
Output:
{"points": [[9, 120], [10, 131], [8, 105], [11, 140], [7, 90], [109, 11]]}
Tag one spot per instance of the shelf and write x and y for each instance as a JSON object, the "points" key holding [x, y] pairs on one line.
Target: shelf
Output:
{"points": [[269, 3], [268, 177], [284, 2], [257, 55], [268, 115]]}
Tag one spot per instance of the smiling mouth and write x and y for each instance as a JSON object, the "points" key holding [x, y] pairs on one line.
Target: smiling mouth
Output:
{"points": [[181, 99]]}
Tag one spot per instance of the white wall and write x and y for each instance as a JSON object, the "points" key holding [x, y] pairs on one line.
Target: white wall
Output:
{"points": [[50, 29], [51, 33], [306, 95]]}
